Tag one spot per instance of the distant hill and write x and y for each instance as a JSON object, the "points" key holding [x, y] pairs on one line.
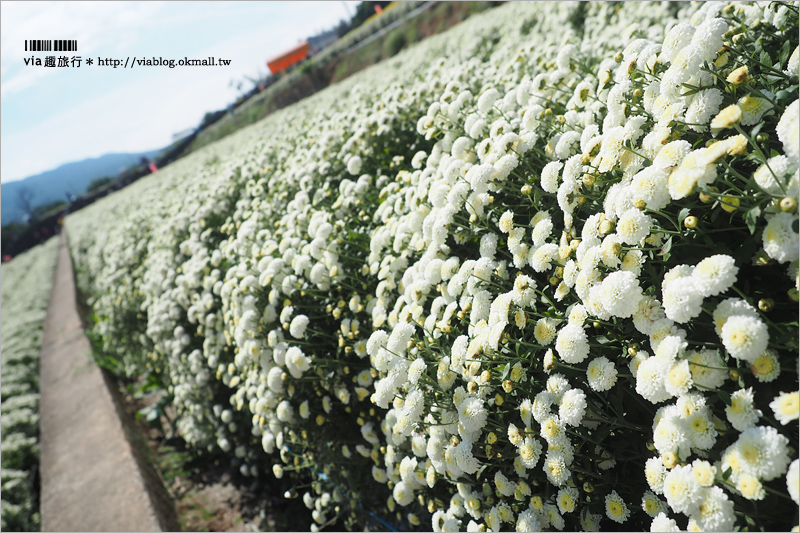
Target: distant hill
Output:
{"points": [[68, 179]]}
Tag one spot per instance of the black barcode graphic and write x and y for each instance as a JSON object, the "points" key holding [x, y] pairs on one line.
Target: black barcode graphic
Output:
{"points": [[51, 45]]}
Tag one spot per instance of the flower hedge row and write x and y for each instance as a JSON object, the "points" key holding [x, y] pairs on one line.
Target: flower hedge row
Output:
{"points": [[538, 272], [26, 284]]}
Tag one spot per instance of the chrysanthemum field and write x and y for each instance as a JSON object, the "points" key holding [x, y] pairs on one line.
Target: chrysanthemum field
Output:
{"points": [[538, 272], [26, 285]]}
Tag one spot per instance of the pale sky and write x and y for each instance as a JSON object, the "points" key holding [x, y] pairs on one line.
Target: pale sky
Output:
{"points": [[51, 116]]}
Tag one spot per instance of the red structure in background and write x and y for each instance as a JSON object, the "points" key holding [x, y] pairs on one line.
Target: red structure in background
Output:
{"points": [[289, 58]]}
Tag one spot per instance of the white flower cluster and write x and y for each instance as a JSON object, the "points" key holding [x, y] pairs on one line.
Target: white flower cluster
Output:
{"points": [[474, 282], [26, 284]]}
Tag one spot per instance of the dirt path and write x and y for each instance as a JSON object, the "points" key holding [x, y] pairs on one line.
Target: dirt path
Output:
{"points": [[90, 477]]}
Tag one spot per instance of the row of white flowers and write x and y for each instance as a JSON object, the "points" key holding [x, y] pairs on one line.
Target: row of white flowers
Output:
{"points": [[539, 272], [26, 282]]}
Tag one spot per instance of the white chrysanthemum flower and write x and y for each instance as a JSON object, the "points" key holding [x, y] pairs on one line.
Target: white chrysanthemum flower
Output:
{"points": [[671, 155], [781, 241], [567, 499], [647, 313], [542, 230], [753, 108], [655, 472], [682, 299], [572, 344], [750, 487], [671, 435], [652, 504], [419, 159], [464, 458], [543, 256], [545, 330], [633, 226], [506, 223], [650, 186], [744, 337], [793, 481], [488, 246], [678, 380], [785, 406], [696, 169], [354, 165], [515, 435], [741, 413], [650, 379], [763, 451], [556, 468], [416, 369], [297, 362], [771, 175], [578, 315], [620, 294], [540, 408], [487, 99], [403, 493], [787, 130], [664, 524], [572, 407], [472, 414], [616, 509], [715, 511], [557, 385], [715, 274], [705, 104], [567, 145], [793, 64], [731, 307], [298, 326], [503, 485], [601, 374], [681, 489], [529, 452], [284, 411], [708, 369], [766, 367], [701, 430], [528, 521], [552, 429]]}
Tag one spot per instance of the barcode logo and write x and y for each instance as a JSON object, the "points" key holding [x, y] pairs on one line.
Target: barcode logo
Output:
{"points": [[51, 45]]}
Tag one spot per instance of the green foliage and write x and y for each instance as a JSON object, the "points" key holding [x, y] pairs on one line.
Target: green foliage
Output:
{"points": [[395, 41]]}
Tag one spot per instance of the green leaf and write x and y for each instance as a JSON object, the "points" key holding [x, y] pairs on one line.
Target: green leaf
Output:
{"points": [[757, 129], [751, 218], [727, 473], [666, 249], [785, 51], [765, 59], [725, 397]]}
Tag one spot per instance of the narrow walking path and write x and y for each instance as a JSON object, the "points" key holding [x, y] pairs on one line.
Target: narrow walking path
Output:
{"points": [[90, 477]]}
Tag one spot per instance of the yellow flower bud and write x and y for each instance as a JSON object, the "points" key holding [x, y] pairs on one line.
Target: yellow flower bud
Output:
{"points": [[738, 76], [788, 204], [727, 117], [670, 459], [729, 203]]}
